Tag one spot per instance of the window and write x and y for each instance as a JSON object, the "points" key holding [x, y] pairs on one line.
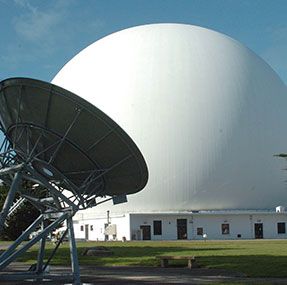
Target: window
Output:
{"points": [[157, 229], [281, 228], [199, 231], [225, 229], [82, 228]]}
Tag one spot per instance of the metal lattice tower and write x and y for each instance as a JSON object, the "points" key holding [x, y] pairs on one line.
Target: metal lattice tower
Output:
{"points": [[77, 154]]}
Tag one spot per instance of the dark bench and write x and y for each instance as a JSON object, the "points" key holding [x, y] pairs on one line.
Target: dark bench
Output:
{"points": [[191, 262]]}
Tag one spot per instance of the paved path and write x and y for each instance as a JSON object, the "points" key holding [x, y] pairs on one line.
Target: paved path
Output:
{"points": [[144, 275]]}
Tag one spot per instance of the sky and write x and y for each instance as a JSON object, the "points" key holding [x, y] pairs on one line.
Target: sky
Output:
{"points": [[39, 37]]}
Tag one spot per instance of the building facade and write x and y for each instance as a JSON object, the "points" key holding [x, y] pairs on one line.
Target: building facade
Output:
{"points": [[214, 225]]}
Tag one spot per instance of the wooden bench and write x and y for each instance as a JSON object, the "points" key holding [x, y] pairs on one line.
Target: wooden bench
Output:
{"points": [[191, 262]]}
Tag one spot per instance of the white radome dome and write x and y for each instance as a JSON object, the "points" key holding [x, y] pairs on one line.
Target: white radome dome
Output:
{"points": [[206, 112]]}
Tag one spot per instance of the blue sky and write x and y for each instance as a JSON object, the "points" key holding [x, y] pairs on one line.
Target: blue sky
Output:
{"points": [[39, 37]]}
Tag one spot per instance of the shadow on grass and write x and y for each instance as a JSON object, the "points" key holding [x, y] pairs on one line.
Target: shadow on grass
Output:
{"points": [[121, 255], [256, 265]]}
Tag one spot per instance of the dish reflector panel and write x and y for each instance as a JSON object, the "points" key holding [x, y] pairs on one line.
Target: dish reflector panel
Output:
{"points": [[65, 138]]}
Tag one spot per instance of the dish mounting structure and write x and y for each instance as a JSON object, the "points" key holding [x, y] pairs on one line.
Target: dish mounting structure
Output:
{"points": [[61, 154]]}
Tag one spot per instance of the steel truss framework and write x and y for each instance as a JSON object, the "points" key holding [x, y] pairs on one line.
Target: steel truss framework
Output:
{"points": [[62, 200], [73, 152]]}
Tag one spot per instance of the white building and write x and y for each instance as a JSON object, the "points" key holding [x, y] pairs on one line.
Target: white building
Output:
{"points": [[208, 116], [192, 226]]}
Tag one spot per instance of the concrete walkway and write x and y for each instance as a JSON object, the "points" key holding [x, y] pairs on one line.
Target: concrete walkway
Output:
{"points": [[143, 275]]}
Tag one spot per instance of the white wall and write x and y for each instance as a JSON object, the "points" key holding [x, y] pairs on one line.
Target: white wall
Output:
{"points": [[270, 224], [96, 227], [128, 225], [241, 225], [211, 224]]}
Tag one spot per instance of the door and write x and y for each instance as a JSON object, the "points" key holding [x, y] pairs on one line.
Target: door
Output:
{"points": [[181, 228], [258, 229], [86, 232], [106, 236], [146, 232]]}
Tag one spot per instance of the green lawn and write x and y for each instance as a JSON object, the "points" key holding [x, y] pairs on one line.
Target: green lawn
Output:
{"points": [[256, 258]]}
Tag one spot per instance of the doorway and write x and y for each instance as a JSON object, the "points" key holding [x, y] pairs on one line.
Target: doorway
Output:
{"points": [[181, 228], [146, 232], [258, 229], [86, 232]]}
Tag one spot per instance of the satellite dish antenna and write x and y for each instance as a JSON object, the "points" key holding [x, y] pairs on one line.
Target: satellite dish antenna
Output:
{"points": [[56, 139]]}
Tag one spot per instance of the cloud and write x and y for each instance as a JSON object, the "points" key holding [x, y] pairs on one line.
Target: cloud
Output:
{"points": [[43, 35], [58, 24], [24, 4], [35, 25]]}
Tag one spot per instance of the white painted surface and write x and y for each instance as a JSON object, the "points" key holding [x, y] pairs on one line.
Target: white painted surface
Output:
{"points": [[280, 209], [97, 232], [240, 223], [206, 112]]}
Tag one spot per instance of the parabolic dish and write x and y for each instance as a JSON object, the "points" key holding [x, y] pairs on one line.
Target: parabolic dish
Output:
{"points": [[63, 137]]}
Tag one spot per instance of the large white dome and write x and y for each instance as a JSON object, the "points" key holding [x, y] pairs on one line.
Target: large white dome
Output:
{"points": [[206, 112]]}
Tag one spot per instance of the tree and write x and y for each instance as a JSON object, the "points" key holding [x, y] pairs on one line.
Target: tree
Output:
{"points": [[19, 220]]}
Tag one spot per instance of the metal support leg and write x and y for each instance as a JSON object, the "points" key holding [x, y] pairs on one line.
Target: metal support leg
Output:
{"points": [[55, 249], [41, 252], [30, 243], [21, 238], [9, 199], [73, 252]]}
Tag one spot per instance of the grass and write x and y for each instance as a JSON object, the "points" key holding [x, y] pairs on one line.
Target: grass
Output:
{"points": [[255, 258]]}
